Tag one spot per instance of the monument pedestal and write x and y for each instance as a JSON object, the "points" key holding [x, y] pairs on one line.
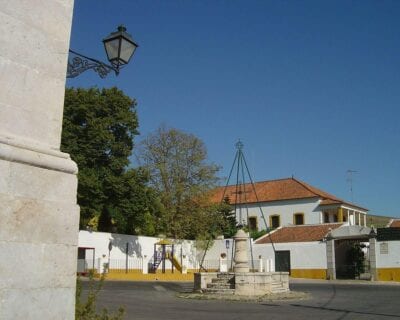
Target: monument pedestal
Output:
{"points": [[241, 281], [240, 257], [242, 284]]}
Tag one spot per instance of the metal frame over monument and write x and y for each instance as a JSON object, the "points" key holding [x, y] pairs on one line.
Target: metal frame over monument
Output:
{"points": [[243, 280], [39, 213]]}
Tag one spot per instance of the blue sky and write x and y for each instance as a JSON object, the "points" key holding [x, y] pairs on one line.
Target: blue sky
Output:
{"points": [[312, 88]]}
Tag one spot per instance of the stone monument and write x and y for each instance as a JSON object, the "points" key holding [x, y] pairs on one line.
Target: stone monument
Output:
{"points": [[242, 281], [39, 216], [241, 256]]}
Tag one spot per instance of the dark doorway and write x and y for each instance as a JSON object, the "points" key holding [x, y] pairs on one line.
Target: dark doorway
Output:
{"points": [[282, 261], [86, 259]]}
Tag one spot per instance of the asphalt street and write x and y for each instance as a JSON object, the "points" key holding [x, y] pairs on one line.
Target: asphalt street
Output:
{"points": [[327, 300]]}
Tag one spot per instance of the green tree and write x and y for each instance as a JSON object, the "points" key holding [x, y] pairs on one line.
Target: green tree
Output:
{"points": [[176, 162], [355, 259], [228, 224], [98, 131]]}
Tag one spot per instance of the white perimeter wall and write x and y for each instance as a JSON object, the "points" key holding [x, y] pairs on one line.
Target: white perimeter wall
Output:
{"points": [[138, 246], [143, 247], [303, 255], [391, 259]]}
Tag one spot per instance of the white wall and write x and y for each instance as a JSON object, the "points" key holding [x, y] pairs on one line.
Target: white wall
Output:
{"points": [[143, 247], [285, 209], [390, 259], [303, 255], [138, 246]]}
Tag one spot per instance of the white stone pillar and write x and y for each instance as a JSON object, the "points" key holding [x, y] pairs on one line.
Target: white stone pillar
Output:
{"points": [[271, 265], [260, 264], [241, 257], [145, 265], [330, 259], [184, 264], [39, 216], [100, 265], [352, 218], [372, 258], [223, 264], [365, 219]]}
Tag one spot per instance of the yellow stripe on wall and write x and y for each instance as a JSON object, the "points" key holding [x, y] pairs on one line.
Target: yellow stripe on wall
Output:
{"points": [[388, 274], [150, 277], [308, 273], [124, 271]]}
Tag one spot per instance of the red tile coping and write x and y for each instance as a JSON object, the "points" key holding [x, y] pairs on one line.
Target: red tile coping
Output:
{"points": [[303, 233]]}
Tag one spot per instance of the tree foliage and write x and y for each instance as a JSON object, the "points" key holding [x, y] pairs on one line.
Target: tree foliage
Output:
{"points": [[98, 131], [167, 194], [227, 218], [179, 172]]}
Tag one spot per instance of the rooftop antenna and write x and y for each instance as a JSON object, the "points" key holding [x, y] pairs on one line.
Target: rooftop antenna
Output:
{"points": [[350, 181]]}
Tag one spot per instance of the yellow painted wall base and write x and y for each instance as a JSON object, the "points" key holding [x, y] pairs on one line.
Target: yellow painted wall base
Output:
{"points": [[388, 274], [158, 271], [123, 271], [177, 276], [308, 273], [383, 274]]}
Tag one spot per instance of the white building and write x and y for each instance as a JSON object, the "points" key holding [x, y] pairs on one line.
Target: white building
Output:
{"points": [[287, 202]]}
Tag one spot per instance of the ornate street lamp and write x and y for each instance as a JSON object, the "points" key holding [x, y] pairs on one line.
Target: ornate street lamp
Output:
{"points": [[119, 47]]}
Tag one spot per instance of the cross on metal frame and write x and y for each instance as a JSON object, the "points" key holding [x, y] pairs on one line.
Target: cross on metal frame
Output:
{"points": [[239, 145], [241, 167]]}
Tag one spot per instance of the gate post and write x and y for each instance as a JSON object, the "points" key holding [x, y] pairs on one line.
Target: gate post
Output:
{"points": [[330, 259], [372, 258]]}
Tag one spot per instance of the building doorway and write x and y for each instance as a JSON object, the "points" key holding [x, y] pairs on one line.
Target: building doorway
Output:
{"points": [[282, 261], [86, 260]]}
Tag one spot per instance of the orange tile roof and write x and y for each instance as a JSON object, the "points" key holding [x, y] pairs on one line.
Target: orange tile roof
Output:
{"points": [[327, 202], [303, 233], [274, 190], [395, 223]]}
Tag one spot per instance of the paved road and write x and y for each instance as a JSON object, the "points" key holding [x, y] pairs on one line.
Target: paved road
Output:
{"points": [[336, 301]]}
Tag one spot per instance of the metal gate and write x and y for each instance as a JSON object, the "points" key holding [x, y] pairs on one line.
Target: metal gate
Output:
{"points": [[282, 261]]}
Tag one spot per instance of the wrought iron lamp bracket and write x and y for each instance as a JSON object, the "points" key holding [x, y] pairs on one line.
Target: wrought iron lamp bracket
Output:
{"points": [[79, 63]]}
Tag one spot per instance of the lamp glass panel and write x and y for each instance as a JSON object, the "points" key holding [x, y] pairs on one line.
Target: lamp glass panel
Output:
{"points": [[127, 50], [112, 49]]}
